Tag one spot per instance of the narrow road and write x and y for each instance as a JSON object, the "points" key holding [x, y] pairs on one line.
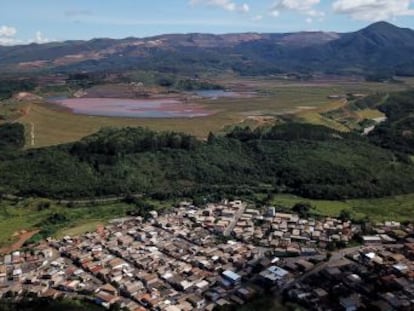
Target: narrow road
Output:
{"points": [[32, 134], [108, 200], [336, 256], [236, 218]]}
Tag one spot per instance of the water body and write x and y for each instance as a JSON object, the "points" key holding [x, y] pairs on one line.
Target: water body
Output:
{"points": [[214, 94], [132, 108]]}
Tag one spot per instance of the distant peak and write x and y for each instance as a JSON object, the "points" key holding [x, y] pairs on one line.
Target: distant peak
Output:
{"points": [[381, 26]]}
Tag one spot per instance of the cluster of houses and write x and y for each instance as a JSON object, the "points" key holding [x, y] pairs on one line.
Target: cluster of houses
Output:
{"points": [[377, 276], [193, 259], [285, 233], [159, 266], [42, 272]]}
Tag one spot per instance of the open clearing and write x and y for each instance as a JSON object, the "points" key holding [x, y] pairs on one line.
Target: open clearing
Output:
{"points": [[21, 238], [398, 208], [80, 228], [306, 101], [28, 215]]}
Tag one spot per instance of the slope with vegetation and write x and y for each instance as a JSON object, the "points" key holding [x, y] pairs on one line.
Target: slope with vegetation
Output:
{"points": [[397, 132], [282, 165], [307, 160]]}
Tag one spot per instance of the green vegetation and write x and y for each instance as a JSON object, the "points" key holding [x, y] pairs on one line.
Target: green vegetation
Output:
{"points": [[12, 136], [399, 208], [397, 132], [57, 219], [307, 160], [356, 114], [9, 87], [275, 99], [11, 110], [53, 219], [193, 85]]}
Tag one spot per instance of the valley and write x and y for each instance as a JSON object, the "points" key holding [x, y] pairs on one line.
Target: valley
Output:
{"points": [[219, 172], [258, 102]]}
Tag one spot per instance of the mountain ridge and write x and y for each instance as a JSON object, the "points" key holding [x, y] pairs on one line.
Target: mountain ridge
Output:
{"points": [[378, 47]]}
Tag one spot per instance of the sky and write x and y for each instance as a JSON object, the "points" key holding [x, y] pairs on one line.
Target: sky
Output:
{"points": [[41, 21]]}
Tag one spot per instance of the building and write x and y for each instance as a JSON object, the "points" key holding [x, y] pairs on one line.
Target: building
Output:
{"points": [[232, 277]]}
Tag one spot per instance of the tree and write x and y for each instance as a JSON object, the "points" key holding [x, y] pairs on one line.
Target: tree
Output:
{"points": [[302, 208], [345, 215], [115, 307], [211, 138]]}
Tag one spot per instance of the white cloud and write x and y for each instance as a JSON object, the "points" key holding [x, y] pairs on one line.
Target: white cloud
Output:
{"points": [[245, 8], [75, 13], [315, 13], [274, 13], [9, 41], [373, 10], [257, 18], [39, 38], [306, 7], [7, 31], [227, 5], [7, 35]]}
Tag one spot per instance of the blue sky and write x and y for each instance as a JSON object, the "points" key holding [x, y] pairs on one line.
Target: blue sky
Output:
{"points": [[24, 21]]}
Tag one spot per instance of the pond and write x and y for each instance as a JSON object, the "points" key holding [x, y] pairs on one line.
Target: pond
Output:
{"points": [[214, 94], [132, 108]]}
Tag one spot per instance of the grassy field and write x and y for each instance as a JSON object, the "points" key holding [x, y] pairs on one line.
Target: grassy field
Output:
{"points": [[36, 214], [370, 114], [51, 125], [315, 116], [82, 227], [398, 208], [30, 215]]}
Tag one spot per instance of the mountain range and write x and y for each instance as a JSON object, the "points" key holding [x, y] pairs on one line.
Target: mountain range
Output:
{"points": [[377, 49]]}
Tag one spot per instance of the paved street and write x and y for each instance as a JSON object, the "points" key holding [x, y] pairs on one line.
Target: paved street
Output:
{"points": [[236, 218], [335, 259]]}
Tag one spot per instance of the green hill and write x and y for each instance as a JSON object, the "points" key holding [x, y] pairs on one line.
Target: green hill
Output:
{"points": [[307, 160]]}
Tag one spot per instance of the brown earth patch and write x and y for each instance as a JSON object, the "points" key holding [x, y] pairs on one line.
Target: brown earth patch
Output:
{"points": [[22, 236]]}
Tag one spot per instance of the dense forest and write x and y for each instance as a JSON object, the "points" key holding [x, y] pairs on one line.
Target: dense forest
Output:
{"points": [[9, 87], [12, 136], [397, 133], [307, 160]]}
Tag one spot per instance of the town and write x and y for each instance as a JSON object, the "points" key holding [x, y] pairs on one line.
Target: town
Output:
{"points": [[227, 253]]}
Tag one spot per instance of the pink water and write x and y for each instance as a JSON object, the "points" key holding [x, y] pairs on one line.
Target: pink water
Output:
{"points": [[134, 108]]}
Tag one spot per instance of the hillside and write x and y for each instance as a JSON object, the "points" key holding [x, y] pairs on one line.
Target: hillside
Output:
{"points": [[307, 160], [381, 47]]}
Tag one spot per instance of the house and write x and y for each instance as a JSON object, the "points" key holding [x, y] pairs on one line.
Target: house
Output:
{"points": [[304, 265], [105, 299], [202, 286], [196, 301], [371, 240], [232, 277], [351, 303], [245, 293], [274, 275], [108, 288], [401, 268]]}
